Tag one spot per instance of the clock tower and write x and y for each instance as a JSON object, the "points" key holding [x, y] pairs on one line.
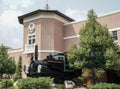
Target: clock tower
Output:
{"points": [[44, 28]]}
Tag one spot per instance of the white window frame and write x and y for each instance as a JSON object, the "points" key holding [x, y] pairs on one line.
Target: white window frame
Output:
{"points": [[115, 29], [115, 35], [31, 38]]}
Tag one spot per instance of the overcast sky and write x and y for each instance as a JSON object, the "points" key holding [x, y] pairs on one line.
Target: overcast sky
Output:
{"points": [[11, 32]]}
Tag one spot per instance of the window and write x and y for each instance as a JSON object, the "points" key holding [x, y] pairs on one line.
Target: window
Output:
{"points": [[114, 33], [31, 39]]}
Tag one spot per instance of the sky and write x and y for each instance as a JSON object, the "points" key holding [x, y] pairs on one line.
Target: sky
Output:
{"points": [[11, 32]]}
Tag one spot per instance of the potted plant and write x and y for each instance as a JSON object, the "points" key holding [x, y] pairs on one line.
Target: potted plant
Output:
{"points": [[87, 73], [99, 73]]}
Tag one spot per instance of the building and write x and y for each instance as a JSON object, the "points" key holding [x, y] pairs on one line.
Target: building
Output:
{"points": [[55, 32]]}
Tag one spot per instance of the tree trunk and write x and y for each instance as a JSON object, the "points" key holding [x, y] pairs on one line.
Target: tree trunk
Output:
{"points": [[1, 75]]}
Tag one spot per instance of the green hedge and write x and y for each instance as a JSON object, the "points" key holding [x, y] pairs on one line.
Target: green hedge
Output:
{"points": [[35, 83], [104, 86], [9, 83]]}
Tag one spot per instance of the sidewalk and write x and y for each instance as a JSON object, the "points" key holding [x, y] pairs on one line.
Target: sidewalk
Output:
{"points": [[81, 88]]}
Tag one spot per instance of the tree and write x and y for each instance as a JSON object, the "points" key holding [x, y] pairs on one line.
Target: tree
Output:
{"points": [[97, 47], [7, 65], [18, 73]]}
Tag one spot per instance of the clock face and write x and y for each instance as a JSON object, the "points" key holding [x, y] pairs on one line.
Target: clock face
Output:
{"points": [[31, 27]]}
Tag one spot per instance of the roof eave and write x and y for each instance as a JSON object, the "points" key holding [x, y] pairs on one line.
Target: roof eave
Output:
{"points": [[20, 18]]}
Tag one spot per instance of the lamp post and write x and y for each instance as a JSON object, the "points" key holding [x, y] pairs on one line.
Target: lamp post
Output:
{"points": [[91, 54], [6, 84], [92, 58], [92, 66]]}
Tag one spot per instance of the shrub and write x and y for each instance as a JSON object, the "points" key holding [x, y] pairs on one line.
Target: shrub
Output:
{"points": [[86, 72], [60, 86], [99, 73], [104, 86], [35, 83], [9, 83], [15, 87]]}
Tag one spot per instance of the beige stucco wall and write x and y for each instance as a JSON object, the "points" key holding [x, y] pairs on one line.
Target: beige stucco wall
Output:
{"points": [[111, 20], [73, 28], [47, 34], [58, 36], [69, 31]]}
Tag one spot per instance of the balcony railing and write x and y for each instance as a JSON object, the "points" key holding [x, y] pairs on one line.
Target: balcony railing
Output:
{"points": [[29, 47]]}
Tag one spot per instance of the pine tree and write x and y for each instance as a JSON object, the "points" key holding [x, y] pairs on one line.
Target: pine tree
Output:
{"points": [[97, 42], [97, 46], [18, 74]]}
